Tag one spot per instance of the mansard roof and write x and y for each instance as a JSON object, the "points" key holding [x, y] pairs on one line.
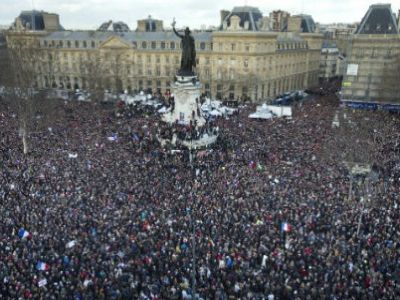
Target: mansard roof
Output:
{"points": [[379, 19], [201, 36], [246, 13]]}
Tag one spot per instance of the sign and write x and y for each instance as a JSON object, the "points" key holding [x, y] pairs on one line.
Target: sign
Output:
{"points": [[352, 69], [346, 84]]}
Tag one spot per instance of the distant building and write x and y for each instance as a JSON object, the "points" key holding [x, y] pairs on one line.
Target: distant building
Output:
{"points": [[37, 21], [373, 58], [279, 20], [149, 25], [331, 63], [242, 59], [114, 26]]}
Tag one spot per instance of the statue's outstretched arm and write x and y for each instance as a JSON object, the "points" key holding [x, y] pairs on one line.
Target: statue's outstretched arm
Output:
{"points": [[176, 32]]}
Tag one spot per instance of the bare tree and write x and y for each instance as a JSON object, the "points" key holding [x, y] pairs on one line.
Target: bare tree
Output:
{"points": [[93, 70], [116, 70], [24, 57]]}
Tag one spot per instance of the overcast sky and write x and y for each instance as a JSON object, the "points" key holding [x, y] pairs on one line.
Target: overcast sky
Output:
{"points": [[89, 14]]}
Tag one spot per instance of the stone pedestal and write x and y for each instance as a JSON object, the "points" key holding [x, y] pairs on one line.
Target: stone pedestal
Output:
{"points": [[186, 89]]}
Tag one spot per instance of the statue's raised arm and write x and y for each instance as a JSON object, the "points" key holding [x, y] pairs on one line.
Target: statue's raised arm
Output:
{"points": [[176, 32]]}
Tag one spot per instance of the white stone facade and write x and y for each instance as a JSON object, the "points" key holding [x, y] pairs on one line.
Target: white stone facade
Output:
{"points": [[186, 89]]}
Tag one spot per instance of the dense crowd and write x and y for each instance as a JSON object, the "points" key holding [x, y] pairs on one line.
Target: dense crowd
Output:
{"points": [[98, 209]]}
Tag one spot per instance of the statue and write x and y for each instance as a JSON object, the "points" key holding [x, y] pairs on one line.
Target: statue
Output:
{"points": [[188, 59]]}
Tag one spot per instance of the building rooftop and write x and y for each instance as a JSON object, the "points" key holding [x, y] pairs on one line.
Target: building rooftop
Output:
{"points": [[114, 26], [246, 14], [34, 20], [307, 23], [379, 19], [130, 36]]}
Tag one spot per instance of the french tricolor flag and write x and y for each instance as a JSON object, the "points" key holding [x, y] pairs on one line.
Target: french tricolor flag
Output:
{"points": [[41, 266], [23, 234], [286, 227]]}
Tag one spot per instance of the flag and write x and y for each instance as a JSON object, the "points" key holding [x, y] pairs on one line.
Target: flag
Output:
{"points": [[41, 266], [286, 227], [70, 244], [23, 234], [135, 137], [113, 137], [42, 282]]}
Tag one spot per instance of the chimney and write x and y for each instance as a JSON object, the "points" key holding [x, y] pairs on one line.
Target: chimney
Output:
{"points": [[294, 24], [51, 22], [224, 14]]}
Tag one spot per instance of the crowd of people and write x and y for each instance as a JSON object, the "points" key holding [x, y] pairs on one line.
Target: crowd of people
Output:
{"points": [[99, 209]]}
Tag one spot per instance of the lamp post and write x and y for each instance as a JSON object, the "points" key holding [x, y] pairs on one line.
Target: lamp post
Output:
{"points": [[192, 218]]}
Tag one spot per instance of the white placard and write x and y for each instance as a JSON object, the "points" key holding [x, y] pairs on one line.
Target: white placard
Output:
{"points": [[352, 69]]}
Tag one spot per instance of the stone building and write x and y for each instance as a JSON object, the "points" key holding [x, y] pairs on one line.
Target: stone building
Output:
{"points": [[332, 62], [243, 59], [279, 20], [373, 58]]}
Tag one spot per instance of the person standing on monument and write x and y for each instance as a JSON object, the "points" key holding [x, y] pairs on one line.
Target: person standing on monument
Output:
{"points": [[188, 59]]}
